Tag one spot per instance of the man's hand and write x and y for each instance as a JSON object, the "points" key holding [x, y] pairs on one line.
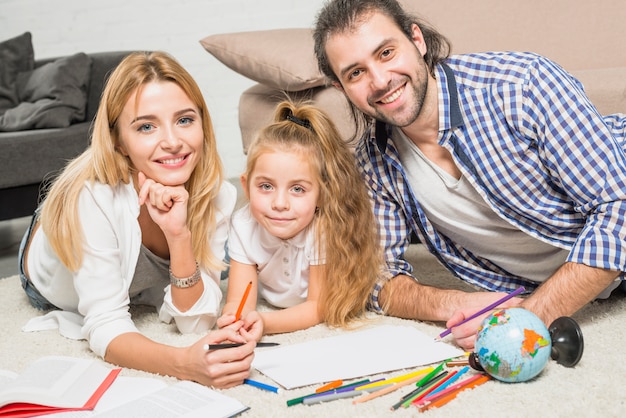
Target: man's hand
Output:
{"points": [[465, 334]]}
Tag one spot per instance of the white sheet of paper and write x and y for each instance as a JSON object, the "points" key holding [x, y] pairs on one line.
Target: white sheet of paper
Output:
{"points": [[350, 355]]}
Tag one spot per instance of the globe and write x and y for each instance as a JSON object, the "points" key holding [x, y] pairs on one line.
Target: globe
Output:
{"points": [[513, 345]]}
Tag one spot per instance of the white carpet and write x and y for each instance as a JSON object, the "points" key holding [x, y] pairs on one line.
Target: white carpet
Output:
{"points": [[594, 387]]}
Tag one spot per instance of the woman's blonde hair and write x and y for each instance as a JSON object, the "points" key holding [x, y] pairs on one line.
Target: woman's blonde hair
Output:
{"points": [[345, 224], [103, 162]]}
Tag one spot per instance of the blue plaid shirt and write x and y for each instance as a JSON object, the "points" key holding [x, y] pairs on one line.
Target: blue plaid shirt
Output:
{"points": [[526, 136]]}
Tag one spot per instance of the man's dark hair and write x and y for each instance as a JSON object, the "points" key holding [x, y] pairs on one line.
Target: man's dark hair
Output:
{"points": [[339, 16]]}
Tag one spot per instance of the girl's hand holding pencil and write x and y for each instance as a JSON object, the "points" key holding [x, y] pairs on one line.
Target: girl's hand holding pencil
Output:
{"points": [[249, 325]]}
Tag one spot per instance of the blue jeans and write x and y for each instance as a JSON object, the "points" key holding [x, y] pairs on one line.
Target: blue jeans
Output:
{"points": [[224, 274], [34, 297]]}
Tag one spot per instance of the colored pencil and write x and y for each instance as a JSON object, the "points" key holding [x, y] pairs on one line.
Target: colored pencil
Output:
{"points": [[430, 375], [454, 363], [448, 382], [444, 398], [409, 397], [261, 385], [326, 397], [330, 385], [483, 311], [434, 384], [298, 400], [331, 396], [243, 301], [433, 396], [397, 378], [386, 390]]}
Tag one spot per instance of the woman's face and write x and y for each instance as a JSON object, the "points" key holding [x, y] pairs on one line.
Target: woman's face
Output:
{"points": [[161, 132]]}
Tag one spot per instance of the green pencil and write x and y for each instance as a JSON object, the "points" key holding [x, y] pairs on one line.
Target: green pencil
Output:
{"points": [[419, 384]]}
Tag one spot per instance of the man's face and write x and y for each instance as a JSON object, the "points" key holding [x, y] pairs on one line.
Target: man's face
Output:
{"points": [[380, 70]]}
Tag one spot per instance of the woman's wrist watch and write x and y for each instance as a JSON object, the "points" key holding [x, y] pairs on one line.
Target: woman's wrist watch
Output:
{"points": [[184, 282]]}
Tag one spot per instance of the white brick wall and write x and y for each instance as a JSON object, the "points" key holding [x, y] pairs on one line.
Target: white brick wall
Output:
{"points": [[62, 27]]}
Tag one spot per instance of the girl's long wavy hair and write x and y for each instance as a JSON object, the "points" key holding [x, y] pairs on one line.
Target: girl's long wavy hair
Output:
{"points": [[103, 162], [345, 224]]}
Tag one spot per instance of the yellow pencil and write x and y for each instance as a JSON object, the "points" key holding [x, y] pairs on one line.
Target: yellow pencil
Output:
{"points": [[386, 390], [395, 379]]}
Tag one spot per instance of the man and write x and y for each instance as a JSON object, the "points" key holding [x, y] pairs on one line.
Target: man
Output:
{"points": [[498, 162]]}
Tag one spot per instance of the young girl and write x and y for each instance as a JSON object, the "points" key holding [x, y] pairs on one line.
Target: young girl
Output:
{"points": [[141, 216], [307, 238]]}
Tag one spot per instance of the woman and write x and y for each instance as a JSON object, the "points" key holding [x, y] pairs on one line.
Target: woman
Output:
{"points": [[141, 216]]}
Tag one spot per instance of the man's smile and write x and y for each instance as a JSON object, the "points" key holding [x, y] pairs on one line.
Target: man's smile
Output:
{"points": [[393, 96]]}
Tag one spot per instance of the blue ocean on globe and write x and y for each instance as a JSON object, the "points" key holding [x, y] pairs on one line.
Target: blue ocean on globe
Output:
{"points": [[513, 345]]}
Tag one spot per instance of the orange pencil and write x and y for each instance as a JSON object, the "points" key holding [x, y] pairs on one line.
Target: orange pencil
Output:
{"points": [[329, 386], [445, 398], [428, 399], [243, 301]]}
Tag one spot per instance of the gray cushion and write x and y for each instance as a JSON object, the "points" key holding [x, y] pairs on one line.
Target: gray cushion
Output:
{"points": [[52, 96], [30, 156], [16, 55]]}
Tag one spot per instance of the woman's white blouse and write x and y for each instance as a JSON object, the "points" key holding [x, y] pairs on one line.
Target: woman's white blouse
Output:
{"points": [[99, 291]]}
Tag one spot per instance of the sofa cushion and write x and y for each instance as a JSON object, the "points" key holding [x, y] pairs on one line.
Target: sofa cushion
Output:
{"points": [[605, 87], [258, 103], [280, 58], [16, 55], [51, 96], [33, 155]]}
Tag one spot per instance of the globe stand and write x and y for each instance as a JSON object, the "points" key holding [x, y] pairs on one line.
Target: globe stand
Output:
{"points": [[567, 341], [474, 362]]}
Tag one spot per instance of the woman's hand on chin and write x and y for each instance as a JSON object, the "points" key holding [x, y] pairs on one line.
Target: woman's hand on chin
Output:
{"points": [[167, 205]]}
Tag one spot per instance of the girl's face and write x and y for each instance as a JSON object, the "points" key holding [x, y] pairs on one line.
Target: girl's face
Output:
{"points": [[161, 132], [283, 191]]}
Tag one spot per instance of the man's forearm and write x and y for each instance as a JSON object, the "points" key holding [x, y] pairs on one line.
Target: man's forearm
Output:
{"points": [[570, 288], [404, 297]]}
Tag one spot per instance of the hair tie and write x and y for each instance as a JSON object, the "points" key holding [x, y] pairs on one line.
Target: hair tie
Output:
{"points": [[302, 122]]}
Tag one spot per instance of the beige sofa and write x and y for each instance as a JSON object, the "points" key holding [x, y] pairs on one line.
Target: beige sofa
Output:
{"points": [[587, 38]]}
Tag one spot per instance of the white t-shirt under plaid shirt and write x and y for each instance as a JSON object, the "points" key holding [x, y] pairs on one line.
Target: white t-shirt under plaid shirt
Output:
{"points": [[527, 138]]}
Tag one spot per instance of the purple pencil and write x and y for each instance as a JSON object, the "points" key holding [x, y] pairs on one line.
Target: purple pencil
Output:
{"points": [[482, 311]]}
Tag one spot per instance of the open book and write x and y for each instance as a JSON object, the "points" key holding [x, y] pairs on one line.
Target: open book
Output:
{"points": [[54, 379], [147, 397], [54, 384], [140, 397]]}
